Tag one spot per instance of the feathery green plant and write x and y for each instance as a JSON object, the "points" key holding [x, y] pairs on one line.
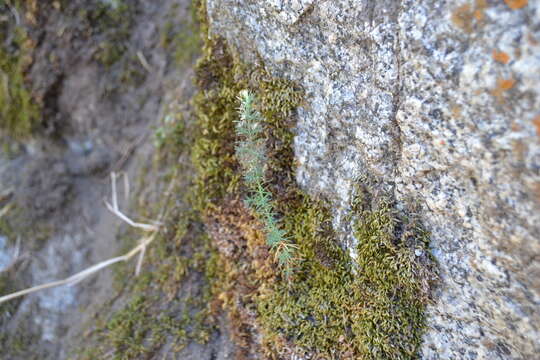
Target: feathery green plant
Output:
{"points": [[250, 151]]}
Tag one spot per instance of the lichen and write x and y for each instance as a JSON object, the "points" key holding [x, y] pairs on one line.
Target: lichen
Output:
{"points": [[516, 4], [467, 17]]}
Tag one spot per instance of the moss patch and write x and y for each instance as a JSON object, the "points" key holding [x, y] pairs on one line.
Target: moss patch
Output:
{"points": [[166, 306], [115, 21], [18, 111], [334, 306], [15, 340], [370, 307], [170, 304]]}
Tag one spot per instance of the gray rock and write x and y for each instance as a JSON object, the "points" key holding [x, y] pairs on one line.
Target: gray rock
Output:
{"points": [[409, 92]]}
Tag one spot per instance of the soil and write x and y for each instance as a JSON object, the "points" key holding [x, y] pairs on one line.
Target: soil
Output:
{"points": [[102, 74]]}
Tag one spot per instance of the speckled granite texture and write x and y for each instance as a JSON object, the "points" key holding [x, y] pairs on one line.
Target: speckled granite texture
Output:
{"points": [[439, 101]]}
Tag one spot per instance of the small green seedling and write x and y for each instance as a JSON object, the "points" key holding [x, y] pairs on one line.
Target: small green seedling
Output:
{"points": [[251, 153]]}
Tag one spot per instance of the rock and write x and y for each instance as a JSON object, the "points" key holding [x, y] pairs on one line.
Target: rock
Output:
{"points": [[45, 187], [440, 103]]}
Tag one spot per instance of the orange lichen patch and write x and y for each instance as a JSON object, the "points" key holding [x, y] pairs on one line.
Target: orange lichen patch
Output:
{"points": [[462, 17], [465, 16], [516, 4], [501, 56], [480, 5], [536, 122], [456, 111], [502, 86], [506, 84], [479, 15]]}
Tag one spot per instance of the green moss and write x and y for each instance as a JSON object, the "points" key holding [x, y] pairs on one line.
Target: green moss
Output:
{"points": [[370, 307], [336, 306], [17, 341], [114, 21], [18, 111], [15, 225], [5, 288], [168, 303], [213, 152], [220, 78]]}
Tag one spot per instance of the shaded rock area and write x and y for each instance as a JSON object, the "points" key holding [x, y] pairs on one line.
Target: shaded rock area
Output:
{"points": [[437, 103], [101, 73]]}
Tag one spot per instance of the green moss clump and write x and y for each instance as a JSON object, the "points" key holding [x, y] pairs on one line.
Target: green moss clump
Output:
{"points": [[5, 288], [221, 77], [19, 340], [215, 108], [18, 112], [169, 303], [115, 21], [370, 307], [334, 306]]}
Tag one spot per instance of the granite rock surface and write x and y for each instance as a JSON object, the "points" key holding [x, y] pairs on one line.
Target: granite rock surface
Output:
{"points": [[438, 101]]}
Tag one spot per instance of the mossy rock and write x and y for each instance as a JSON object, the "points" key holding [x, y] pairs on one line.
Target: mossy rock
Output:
{"points": [[368, 307], [336, 306]]}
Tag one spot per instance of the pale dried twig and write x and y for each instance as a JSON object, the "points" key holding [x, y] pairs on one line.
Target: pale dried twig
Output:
{"points": [[74, 279], [126, 186], [144, 62]]}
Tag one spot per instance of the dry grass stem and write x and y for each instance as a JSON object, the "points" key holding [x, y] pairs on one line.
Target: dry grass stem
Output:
{"points": [[74, 279]]}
